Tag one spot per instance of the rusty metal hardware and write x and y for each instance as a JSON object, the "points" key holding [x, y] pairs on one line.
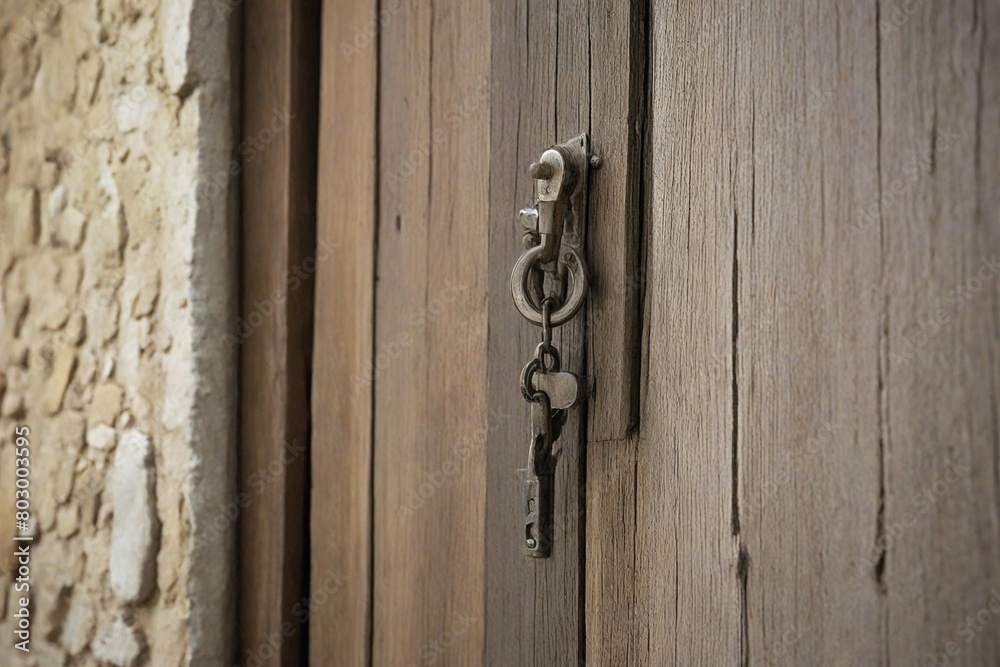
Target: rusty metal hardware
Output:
{"points": [[537, 481], [553, 233], [549, 286]]}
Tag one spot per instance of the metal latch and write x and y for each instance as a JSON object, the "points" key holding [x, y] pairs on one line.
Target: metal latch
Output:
{"points": [[549, 286]]}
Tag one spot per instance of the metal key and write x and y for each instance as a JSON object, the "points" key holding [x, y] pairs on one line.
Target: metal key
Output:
{"points": [[537, 481]]}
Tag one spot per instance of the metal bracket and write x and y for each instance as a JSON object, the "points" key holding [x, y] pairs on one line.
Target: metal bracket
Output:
{"points": [[554, 232], [549, 286]]}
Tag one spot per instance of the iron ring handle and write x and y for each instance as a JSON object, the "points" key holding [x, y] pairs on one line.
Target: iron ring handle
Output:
{"points": [[519, 286]]}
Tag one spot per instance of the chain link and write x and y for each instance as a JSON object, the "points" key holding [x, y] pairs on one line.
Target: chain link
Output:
{"points": [[527, 375], [548, 305], [547, 358]]}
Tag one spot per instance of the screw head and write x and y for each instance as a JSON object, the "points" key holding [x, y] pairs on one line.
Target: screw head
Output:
{"points": [[595, 161], [531, 543]]}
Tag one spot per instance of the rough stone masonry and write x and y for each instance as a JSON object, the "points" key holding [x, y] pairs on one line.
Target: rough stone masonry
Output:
{"points": [[116, 290]]}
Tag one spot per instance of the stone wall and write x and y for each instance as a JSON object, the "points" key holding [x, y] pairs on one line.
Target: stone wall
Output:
{"points": [[116, 258]]}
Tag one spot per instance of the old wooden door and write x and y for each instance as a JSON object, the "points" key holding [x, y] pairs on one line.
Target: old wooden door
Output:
{"points": [[789, 452]]}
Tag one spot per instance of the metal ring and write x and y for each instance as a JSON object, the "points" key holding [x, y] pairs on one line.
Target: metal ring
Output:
{"points": [[519, 286]]}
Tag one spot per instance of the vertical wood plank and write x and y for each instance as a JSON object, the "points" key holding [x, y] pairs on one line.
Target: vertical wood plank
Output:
{"points": [[540, 97], [279, 189], [341, 517], [939, 546], [618, 61], [688, 580], [815, 473], [404, 448], [808, 324], [430, 399]]}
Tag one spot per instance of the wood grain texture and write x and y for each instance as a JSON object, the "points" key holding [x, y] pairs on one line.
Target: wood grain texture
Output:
{"points": [[279, 194], [341, 515], [617, 57], [688, 583], [618, 62], [806, 345], [431, 413], [541, 96], [791, 458], [940, 216], [815, 475]]}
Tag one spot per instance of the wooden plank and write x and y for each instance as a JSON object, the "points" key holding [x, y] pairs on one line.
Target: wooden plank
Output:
{"points": [[540, 97], [688, 581], [341, 517], [938, 74], [807, 351], [430, 398], [828, 454], [275, 334], [618, 62]]}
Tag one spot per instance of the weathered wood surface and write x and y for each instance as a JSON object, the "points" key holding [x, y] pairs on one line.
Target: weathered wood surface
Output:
{"points": [[807, 347], [618, 71], [430, 341], [688, 581], [939, 74], [279, 194], [342, 408], [814, 479], [617, 62], [787, 460], [541, 96]]}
